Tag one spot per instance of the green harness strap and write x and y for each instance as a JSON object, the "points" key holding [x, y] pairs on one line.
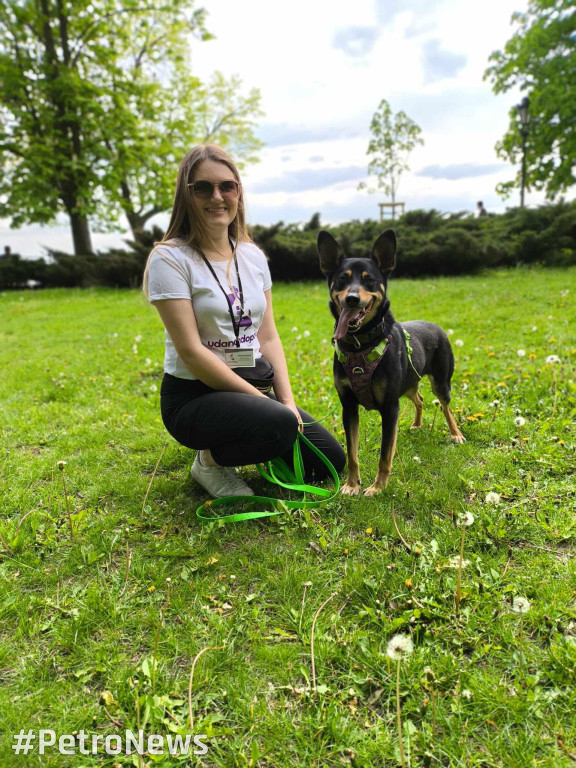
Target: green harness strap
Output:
{"points": [[379, 350], [280, 474], [409, 351]]}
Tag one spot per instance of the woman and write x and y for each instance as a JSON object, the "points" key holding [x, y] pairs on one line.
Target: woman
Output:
{"points": [[211, 286]]}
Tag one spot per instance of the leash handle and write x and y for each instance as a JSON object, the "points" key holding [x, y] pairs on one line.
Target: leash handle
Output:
{"points": [[278, 472]]}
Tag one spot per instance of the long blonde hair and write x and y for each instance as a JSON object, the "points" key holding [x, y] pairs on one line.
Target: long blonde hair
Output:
{"points": [[185, 226]]}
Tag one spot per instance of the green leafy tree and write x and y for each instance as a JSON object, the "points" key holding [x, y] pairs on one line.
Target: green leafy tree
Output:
{"points": [[394, 136], [540, 58], [98, 106]]}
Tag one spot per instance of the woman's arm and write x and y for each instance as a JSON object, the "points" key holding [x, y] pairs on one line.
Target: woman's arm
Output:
{"points": [[271, 348], [180, 322]]}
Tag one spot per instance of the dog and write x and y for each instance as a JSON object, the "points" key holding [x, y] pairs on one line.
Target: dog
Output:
{"points": [[377, 360]]}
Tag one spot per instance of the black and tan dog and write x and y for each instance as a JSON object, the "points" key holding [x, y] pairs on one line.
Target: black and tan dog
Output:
{"points": [[378, 360]]}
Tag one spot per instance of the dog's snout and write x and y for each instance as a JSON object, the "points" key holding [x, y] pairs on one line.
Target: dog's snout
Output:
{"points": [[352, 300]]}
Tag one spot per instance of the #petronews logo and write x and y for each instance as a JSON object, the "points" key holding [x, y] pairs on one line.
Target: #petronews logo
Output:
{"points": [[115, 744]]}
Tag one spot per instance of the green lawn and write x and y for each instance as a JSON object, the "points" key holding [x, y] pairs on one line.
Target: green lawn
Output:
{"points": [[99, 632]]}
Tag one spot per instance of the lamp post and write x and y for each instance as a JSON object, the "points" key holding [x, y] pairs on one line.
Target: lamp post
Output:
{"points": [[523, 110]]}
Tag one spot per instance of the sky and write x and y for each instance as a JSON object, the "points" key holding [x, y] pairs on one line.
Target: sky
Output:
{"points": [[322, 68]]}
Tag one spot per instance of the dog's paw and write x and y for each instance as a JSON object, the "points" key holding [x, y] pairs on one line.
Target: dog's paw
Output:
{"points": [[373, 490], [349, 489], [457, 439]]}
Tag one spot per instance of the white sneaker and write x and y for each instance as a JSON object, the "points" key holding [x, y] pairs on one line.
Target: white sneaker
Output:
{"points": [[219, 481]]}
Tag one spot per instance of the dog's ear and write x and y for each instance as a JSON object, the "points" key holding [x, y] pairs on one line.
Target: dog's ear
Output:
{"points": [[384, 251], [330, 252]]}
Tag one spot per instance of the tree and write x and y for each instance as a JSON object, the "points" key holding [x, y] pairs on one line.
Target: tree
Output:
{"points": [[540, 58], [97, 107], [394, 136]]}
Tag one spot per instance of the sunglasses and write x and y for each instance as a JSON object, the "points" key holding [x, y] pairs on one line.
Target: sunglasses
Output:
{"points": [[205, 189]]}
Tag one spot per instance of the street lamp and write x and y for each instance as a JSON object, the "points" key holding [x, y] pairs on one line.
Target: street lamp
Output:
{"points": [[523, 110]]}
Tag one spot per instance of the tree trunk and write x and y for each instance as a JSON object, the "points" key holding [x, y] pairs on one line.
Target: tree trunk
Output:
{"points": [[81, 235]]}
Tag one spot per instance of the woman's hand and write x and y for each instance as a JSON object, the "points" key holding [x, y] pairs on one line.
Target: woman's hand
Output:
{"points": [[294, 409]]}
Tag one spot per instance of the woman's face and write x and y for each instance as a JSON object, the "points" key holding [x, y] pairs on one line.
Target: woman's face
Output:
{"points": [[217, 210]]}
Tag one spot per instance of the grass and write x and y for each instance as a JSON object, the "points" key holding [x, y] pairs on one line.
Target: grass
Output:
{"points": [[94, 637]]}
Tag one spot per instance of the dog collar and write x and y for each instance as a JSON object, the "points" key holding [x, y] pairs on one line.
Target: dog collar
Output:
{"points": [[362, 339]]}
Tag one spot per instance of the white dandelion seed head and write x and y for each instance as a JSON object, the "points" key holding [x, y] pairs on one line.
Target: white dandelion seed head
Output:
{"points": [[534, 328], [466, 519], [436, 401], [138, 339], [492, 498], [417, 459], [148, 361], [399, 647], [450, 331], [464, 386], [466, 694], [495, 403], [519, 421], [153, 388], [459, 343], [135, 349], [294, 329], [306, 333], [61, 465], [520, 605], [553, 359], [521, 352], [298, 337], [454, 562]]}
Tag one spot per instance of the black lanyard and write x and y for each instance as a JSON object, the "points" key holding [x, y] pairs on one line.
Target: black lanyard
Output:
{"points": [[235, 326]]}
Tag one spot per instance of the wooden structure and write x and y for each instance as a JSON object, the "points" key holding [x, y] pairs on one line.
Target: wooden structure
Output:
{"points": [[393, 207]]}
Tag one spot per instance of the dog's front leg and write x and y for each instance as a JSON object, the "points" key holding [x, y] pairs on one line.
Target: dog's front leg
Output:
{"points": [[389, 413], [351, 420]]}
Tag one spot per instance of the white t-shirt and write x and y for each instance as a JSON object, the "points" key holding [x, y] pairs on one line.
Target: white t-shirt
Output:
{"points": [[179, 272]]}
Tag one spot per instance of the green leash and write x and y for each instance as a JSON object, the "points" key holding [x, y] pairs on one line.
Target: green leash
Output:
{"points": [[278, 472]]}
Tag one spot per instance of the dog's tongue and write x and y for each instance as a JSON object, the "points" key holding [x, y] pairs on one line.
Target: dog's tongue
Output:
{"points": [[346, 316]]}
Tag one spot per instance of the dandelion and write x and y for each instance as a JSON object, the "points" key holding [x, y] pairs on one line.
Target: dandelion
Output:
{"points": [[135, 349], [466, 694], [417, 459], [519, 421], [306, 333], [61, 465], [466, 519], [138, 339], [153, 388], [464, 386], [450, 331], [294, 329], [534, 328], [521, 352], [520, 605], [454, 562], [459, 343], [399, 647], [147, 361], [552, 360], [492, 498]]}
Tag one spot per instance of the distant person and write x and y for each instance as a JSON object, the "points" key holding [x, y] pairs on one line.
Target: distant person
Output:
{"points": [[7, 252], [481, 210], [225, 391]]}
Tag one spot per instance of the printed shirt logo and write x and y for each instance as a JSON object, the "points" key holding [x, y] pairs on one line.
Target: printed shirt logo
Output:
{"points": [[245, 320]]}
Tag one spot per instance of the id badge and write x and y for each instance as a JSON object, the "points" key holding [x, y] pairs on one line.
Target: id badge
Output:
{"points": [[239, 358]]}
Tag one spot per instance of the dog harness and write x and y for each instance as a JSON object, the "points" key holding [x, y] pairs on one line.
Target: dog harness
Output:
{"points": [[360, 366]]}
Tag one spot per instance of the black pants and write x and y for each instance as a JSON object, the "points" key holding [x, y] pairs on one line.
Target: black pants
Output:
{"points": [[242, 429]]}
